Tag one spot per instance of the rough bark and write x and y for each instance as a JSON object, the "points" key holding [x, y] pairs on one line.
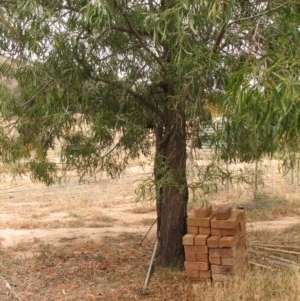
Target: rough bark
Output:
{"points": [[171, 189]]}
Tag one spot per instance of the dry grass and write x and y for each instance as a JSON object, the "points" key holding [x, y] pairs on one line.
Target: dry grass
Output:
{"points": [[15, 169], [289, 236], [272, 207], [148, 221], [112, 271], [143, 209], [71, 220], [116, 269], [258, 285]]}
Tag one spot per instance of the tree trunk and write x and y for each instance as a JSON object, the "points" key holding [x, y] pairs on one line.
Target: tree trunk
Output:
{"points": [[171, 184]]}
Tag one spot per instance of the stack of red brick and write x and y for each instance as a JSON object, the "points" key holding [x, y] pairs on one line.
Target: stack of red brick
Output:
{"points": [[215, 245]]}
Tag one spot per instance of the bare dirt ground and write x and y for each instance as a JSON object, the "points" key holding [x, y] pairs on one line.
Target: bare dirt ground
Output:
{"points": [[31, 213], [78, 242], [278, 224]]}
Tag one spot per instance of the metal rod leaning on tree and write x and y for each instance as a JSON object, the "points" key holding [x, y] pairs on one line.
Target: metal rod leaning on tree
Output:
{"points": [[145, 287]]}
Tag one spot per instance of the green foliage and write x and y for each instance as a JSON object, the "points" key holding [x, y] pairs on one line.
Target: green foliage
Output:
{"points": [[262, 104], [93, 75]]}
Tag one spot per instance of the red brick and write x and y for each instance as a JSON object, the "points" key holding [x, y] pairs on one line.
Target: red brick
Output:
{"points": [[225, 252], [215, 260], [205, 274], [200, 266], [223, 213], [188, 240], [219, 277], [241, 212], [204, 230], [222, 269], [190, 255], [203, 212], [228, 261], [192, 230], [192, 273], [228, 241], [199, 279], [241, 246], [201, 240], [230, 232], [242, 239], [242, 226], [199, 222], [213, 242], [196, 249], [201, 257], [231, 223], [216, 232]]}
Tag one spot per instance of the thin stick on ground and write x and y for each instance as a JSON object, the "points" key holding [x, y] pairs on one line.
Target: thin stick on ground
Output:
{"points": [[8, 286], [145, 287], [145, 236], [278, 250], [259, 265]]}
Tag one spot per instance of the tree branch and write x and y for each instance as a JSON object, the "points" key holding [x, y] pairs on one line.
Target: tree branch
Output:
{"points": [[131, 30], [37, 93], [220, 37], [227, 25], [258, 15], [136, 33], [8, 2]]}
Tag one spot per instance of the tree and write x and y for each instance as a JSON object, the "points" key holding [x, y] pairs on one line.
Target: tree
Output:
{"points": [[129, 69], [264, 100]]}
